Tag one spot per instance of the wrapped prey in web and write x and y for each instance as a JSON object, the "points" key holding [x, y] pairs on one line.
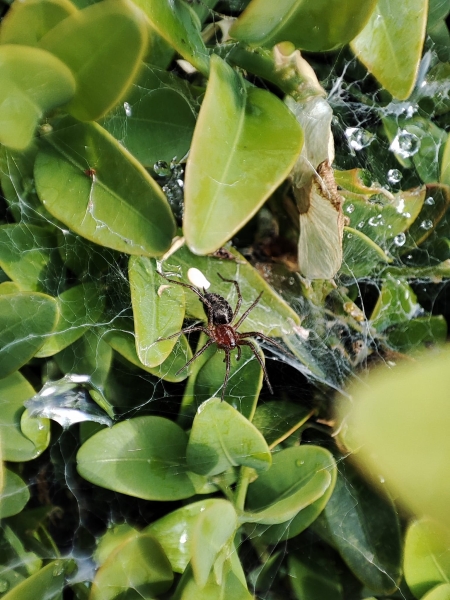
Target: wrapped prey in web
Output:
{"points": [[314, 187]]}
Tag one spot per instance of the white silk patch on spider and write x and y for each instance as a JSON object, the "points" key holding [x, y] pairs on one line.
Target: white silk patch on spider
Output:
{"points": [[198, 279]]}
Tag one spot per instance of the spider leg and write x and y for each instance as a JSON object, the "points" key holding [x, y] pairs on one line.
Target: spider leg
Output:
{"points": [[259, 359], [196, 355], [238, 357], [264, 337], [227, 374], [185, 330], [239, 295], [249, 309], [186, 285]]}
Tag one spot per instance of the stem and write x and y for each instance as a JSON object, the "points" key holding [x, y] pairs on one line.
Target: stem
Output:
{"points": [[242, 486]]}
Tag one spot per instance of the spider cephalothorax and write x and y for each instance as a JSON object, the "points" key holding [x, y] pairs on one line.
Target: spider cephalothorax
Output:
{"points": [[221, 330]]}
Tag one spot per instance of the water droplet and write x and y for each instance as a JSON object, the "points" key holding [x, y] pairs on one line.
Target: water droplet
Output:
{"points": [[291, 281], [358, 138], [161, 168], [426, 224], [349, 236], [183, 538], [394, 176], [58, 569], [4, 585], [405, 144], [127, 108], [360, 225], [350, 208], [376, 220], [407, 215], [429, 201], [299, 462], [400, 239]]}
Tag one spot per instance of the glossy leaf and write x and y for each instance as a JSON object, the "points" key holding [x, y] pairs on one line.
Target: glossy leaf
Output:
{"points": [[26, 22], [14, 494], [26, 319], [364, 528], [221, 437], [445, 164], [313, 577], [138, 564], [244, 383], [440, 592], [16, 446], [32, 81], [83, 42], [227, 182], [232, 588], [158, 309], [418, 334], [275, 419], [390, 45], [29, 256], [298, 477], [178, 25], [360, 254], [156, 120], [427, 556], [213, 535], [433, 210], [121, 339], [174, 532], [120, 186], [79, 308], [142, 457], [47, 583], [316, 27], [396, 303], [115, 536]]}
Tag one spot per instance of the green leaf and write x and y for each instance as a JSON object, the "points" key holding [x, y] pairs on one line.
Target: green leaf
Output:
{"points": [[120, 186], [174, 532], [26, 319], [397, 303], [16, 446], [115, 536], [13, 495], [224, 189], [26, 22], [212, 536], [32, 81], [277, 418], [142, 457], [231, 588], [417, 334], [29, 256], [80, 307], [364, 528], [433, 210], [445, 164], [156, 120], [47, 583], [390, 45], [158, 310], [361, 255], [179, 26], [427, 556], [323, 25], [244, 383], [138, 564], [299, 477], [440, 592], [221, 437], [83, 41], [121, 339], [313, 576]]}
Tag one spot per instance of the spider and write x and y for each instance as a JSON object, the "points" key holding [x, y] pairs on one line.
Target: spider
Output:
{"points": [[220, 328]]}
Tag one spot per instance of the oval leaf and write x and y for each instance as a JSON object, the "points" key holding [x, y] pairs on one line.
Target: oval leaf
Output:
{"points": [[227, 182], [138, 564], [322, 25], [89, 203], [14, 494], [390, 45], [158, 309], [298, 477], [32, 81], [142, 457], [84, 43], [221, 437], [47, 583], [26, 319]]}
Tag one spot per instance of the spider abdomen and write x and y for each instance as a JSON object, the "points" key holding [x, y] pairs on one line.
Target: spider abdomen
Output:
{"points": [[218, 309], [225, 337]]}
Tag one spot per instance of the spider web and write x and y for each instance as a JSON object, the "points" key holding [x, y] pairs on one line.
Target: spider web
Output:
{"points": [[339, 342]]}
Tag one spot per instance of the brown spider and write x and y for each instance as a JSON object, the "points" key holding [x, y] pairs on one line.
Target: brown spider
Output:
{"points": [[220, 328]]}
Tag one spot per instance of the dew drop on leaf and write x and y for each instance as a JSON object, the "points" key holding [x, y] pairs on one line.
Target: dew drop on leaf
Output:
{"points": [[400, 239], [405, 144], [429, 201], [350, 208], [358, 138], [394, 175], [426, 224], [127, 108]]}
